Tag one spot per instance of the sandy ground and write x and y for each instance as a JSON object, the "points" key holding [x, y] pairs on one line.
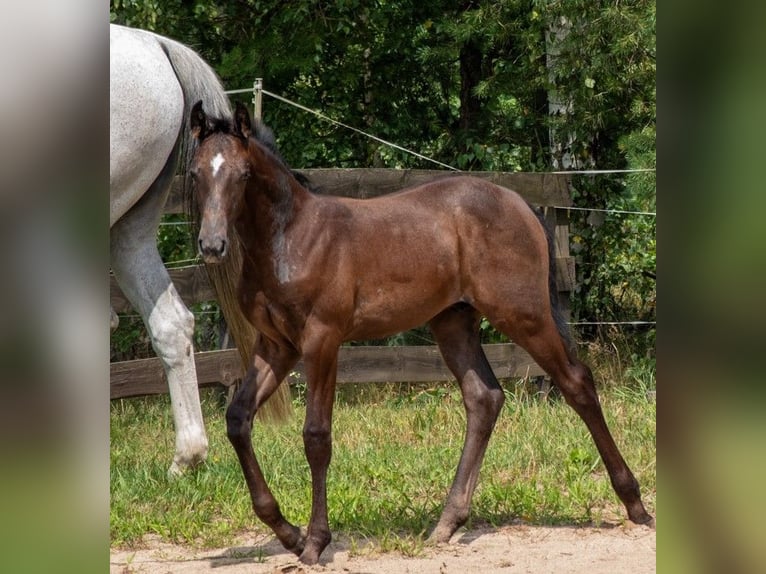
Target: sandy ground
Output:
{"points": [[507, 550]]}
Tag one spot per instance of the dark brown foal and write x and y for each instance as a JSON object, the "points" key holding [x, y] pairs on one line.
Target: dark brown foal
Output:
{"points": [[321, 270]]}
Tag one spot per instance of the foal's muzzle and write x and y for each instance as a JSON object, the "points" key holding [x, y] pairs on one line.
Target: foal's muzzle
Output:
{"points": [[213, 250]]}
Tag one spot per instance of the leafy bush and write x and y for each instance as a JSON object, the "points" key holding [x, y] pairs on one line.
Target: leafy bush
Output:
{"points": [[616, 272]]}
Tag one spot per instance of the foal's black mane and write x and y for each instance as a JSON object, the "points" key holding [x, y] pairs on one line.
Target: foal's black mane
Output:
{"points": [[265, 135]]}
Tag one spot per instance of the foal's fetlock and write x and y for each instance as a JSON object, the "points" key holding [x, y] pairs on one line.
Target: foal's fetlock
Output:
{"points": [[630, 493]]}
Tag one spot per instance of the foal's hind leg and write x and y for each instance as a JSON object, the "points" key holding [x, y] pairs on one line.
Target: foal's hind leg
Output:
{"points": [[457, 333], [541, 339], [270, 366]]}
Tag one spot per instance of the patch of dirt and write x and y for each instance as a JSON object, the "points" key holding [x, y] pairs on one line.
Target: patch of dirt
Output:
{"points": [[507, 550]]}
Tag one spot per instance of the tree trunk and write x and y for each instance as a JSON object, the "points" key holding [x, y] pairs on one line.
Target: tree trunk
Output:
{"points": [[471, 61], [561, 143]]}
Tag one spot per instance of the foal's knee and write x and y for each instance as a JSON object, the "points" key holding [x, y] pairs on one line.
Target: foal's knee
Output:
{"points": [[237, 422], [491, 401], [316, 436]]}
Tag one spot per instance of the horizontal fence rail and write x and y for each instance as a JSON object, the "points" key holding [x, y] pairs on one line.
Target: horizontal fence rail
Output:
{"points": [[540, 189], [355, 365], [191, 282]]}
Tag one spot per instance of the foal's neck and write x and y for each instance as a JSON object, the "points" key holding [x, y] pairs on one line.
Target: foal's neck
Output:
{"points": [[273, 193]]}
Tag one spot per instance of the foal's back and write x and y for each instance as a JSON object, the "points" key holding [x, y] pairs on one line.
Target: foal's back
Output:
{"points": [[396, 261]]}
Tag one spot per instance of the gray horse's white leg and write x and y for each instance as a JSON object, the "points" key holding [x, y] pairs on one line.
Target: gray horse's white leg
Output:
{"points": [[114, 320], [144, 280]]}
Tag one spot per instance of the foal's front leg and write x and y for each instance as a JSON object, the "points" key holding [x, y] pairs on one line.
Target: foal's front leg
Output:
{"points": [[321, 370], [271, 364]]}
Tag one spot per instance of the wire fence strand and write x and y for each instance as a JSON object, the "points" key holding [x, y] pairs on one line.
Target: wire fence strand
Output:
{"points": [[423, 157], [370, 136]]}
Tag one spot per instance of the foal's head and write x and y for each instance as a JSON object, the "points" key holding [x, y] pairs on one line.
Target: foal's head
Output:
{"points": [[220, 170]]}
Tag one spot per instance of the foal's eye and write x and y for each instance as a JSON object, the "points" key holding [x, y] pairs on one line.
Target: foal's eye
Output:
{"points": [[245, 176]]}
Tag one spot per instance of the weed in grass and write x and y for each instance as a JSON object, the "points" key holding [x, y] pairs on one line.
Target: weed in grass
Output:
{"points": [[405, 544], [356, 549]]}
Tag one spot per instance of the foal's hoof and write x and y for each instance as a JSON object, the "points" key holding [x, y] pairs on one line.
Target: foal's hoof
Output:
{"points": [[315, 545], [651, 523], [644, 519], [439, 536], [309, 558]]}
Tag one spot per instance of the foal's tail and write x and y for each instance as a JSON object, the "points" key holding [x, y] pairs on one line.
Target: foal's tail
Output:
{"points": [[200, 82], [558, 317]]}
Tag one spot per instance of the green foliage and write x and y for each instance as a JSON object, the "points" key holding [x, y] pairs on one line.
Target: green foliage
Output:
{"points": [[489, 334], [605, 70], [468, 84], [130, 340], [617, 271], [174, 241], [395, 68], [606, 74]]}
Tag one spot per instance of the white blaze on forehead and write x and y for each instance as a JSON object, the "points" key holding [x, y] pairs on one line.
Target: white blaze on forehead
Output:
{"points": [[216, 163]]}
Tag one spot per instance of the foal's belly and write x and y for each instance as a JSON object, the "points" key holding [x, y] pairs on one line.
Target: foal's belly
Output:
{"points": [[393, 308]]}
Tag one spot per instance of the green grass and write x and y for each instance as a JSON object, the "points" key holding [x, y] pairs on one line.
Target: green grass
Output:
{"points": [[395, 450]]}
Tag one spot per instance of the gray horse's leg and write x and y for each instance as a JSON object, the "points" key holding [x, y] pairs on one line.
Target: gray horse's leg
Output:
{"points": [[114, 320], [144, 280]]}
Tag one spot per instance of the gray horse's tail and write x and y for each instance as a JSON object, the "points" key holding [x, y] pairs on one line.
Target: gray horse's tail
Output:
{"points": [[198, 82]]}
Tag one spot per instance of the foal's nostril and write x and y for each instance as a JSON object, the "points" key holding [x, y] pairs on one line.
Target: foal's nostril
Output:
{"points": [[223, 247]]}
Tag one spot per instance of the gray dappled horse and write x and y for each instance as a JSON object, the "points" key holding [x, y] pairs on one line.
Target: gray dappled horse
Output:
{"points": [[152, 79], [153, 82]]}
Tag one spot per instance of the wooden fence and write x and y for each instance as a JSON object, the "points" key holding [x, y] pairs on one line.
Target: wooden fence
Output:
{"points": [[359, 364]]}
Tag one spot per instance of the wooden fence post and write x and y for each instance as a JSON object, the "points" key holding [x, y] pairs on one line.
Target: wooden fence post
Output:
{"points": [[257, 98]]}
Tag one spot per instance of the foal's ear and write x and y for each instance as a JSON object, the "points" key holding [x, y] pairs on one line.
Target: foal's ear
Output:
{"points": [[198, 121], [242, 124]]}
